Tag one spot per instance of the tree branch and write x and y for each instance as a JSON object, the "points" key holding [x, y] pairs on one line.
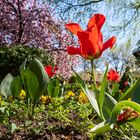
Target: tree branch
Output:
{"points": [[11, 5], [84, 4], [20, 23]]}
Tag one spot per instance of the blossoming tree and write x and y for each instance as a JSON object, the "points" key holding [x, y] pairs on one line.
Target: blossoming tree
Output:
{"points": [[33, 23]]}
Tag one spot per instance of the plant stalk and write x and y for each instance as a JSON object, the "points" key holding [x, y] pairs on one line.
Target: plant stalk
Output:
{"points": [[93, 74]]}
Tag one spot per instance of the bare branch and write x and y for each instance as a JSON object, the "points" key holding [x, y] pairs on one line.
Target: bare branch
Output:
{"points": [[84, 4], [11, 5]]}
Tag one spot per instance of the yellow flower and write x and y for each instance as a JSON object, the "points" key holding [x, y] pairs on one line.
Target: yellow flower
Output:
{"points": [[45, 99], [66, 97], [70, 94], [129, 99], [82, 98], [22, 94]]}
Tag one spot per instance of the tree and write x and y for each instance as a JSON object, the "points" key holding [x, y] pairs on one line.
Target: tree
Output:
{"points": [[123, 19], [136, 53], [27, 22], [123, 16], [33, 23], [120, 57]]}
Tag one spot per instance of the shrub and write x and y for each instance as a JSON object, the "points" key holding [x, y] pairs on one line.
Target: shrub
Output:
{"points": [[12, 57]]}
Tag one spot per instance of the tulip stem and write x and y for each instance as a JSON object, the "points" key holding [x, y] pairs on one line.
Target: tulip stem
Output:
{"points": [[93, 74]]}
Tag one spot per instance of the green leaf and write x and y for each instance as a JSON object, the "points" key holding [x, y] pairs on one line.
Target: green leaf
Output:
{"points": [[12, 127], [135, 123], [101, 128], [5, 85], [54, 88], [115, 89], [36, 79], [102, 91], [91, 95], [136, 95], [109, 104], [2, 109], [22, 71], [130, 91], [92, 98], [80, 80], [123, 104], [16, 86]]}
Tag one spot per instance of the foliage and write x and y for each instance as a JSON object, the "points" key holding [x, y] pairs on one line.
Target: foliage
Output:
{"points": [[33, 79], [56, 117], [5, 85], [38, 103], [79, 10], [109, 111], [34, 23], [12, 57], [28, 22], [54, 88], [136, 53]]}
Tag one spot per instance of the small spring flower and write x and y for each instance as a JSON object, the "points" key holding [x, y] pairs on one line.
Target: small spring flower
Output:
{"points": [[129, 99], [82, 98], [22, 94], [66, 97], [71, 94], [45, 99]]}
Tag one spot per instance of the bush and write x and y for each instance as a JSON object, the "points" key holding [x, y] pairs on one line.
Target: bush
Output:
{"points": [[12, 57]]}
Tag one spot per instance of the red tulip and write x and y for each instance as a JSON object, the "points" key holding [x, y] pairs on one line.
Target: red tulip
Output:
{"points": [[50, 70], [113, 76], [91, 39], [122, 117], [127, 114]]}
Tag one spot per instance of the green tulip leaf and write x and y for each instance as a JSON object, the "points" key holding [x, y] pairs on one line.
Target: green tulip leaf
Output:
{"points": [[135, 123], [123, 104], [130, 91], [102, 91], [22, 71], [101, 128], [54, 88], [5, 85], [80, 80], [16, 86], [36, 79], [91, 95], [92, 98], [115, 89], [109, 104], [136, 95]]}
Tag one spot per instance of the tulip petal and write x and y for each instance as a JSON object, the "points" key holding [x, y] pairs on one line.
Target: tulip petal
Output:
{"points": [[100, 41], [73, 50], [89, 43], [97, 19], [73, 27], [109, 43], [113, 76]]}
